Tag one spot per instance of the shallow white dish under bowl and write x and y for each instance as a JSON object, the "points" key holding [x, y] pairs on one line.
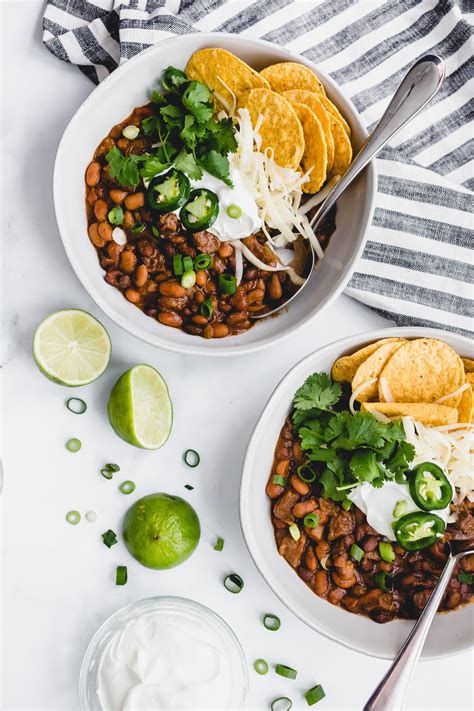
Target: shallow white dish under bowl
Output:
{"points": [[130, 86], [451, 632]]}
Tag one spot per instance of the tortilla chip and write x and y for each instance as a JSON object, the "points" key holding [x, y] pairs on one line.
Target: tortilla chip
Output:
{"points": [[423, 370], [371, 368], [468, 365], [291, 75], [345, 368], [342, 147], [311, 100], [470, 378], [433, 415], [217, 68], [280, 129], [330, 108], [315, 154], [465, 405]]}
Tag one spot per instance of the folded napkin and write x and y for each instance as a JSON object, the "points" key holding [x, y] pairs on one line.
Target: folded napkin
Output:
{"points": [[417, 267]]}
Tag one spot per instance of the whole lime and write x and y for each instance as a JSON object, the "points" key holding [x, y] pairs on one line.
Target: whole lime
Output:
{"points": [[161, 531]]}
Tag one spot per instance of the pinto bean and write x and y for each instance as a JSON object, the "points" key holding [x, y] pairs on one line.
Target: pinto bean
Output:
{"points": [[239, 299], [225, 250], [128, 261], [220, 330], [200, 320], [255, 296], [467, 564], [282, 467], [132, 296], [141, 276], [172, 288], [299, 485], [274, 288], [100, 210], [128, 219], [94, 236], [134, 201], [92, 196], [171, 303], [170, 318], [273, 490], [93, 174], [297, 452], [304, 507], [321, 583], [453, 600], [236, 318], [118, 196], [310, 559], [369, 543], [208, 331], [105, 231], [201, 278], [322, 549]]}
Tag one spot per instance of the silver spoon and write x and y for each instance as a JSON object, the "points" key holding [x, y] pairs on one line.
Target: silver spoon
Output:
{"points": [[416, 90], [391, 693]]}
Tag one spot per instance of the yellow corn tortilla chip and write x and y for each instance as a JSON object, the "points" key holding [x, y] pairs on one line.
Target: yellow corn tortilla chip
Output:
{"points": [[311, 100], [423, 370], [315, 156], [330, 108], [470, 378], [432, 415], [342, 147], [291, 75], [468, 365], [280, 129], [371, 368], [465, 405], [345, 367], [217, 68]]}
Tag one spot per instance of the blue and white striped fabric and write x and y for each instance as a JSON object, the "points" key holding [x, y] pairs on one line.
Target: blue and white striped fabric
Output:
{"points": [[417, 267]]}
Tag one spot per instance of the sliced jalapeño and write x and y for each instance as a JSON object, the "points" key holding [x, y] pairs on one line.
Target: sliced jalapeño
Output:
{"points": [[200, 211], [168, 191]]}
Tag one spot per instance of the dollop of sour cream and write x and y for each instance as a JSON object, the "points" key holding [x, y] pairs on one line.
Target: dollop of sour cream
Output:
{"points": [[166, 660]]}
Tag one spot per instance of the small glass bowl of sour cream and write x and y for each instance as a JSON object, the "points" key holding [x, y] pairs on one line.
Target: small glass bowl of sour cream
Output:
{"points": [[163, 653]]}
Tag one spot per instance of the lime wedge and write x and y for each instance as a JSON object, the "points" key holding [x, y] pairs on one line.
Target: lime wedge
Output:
{"points": [[140, 408], [71, 347]]}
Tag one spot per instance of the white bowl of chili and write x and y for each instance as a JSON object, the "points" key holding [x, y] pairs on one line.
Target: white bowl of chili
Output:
{"points": [[450, 633], [130, 86]]}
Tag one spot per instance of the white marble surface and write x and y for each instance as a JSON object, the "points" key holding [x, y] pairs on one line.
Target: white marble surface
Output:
{"points": [[58, 580]]}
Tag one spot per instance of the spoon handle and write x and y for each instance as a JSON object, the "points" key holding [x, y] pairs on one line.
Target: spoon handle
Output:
{"points": [[416, 90], [391, 693]]}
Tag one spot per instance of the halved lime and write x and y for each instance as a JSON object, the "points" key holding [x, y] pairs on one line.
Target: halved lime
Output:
{"points": [[71, 347], [140, 408]]}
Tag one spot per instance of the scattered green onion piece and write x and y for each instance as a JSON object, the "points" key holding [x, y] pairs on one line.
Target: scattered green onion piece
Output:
{"points": [[109, 538], [271, 622], [233, 583], [283, 703], [386, 551], [112, 467], [466, 578], [324, 562], [227, 283], [346, 505], [400, 508], [303, 476], [314, 695], [311, 520], [219, 544], [188, 280], [383, 581], [261, 666], [73, 517], [178, 264], [191, 458], [106, 473], [202, 261], [91, 516], [116, 216], [137, 228], [73, 445], [188, 487], [234, 211], [285, 671], [155, 231], [131, 132], [127, 487], [76, 405], [121, 575], [357, 553], [207, 308], [295, 532], [280, 480], [188, 265]]}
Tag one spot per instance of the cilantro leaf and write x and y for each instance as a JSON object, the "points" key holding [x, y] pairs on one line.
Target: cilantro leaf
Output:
{"points": [[173, 78], [352, 431], [400, 461], [318, 391], [186, 162], [330, 481], [222, 137], [196, 99], [217, 165], [153, 165], [312, 435], [172, 115], [364, 466], [123, 168]]}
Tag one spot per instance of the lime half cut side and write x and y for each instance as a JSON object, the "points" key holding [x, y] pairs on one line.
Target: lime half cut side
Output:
{"points": [[140, 408], [71, 347]]}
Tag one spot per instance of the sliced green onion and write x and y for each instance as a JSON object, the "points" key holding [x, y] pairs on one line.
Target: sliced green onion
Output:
{"points": [[227, 283], [76, 405], [121, 575], [178, 264], [131, 132], [91, 516], [466, 578], [301, 472], [400, 508], [207, 307], [285, 671], [383, 581], [260, 666], [202, 261], [233, 583], [346, 505], [294, 532], [283, 703], [108, 470], [219, 544], [116, 215], [109, 538], [112, 467], [188, 280], [127, 487], [191, 458], [155, 231], [356, 552], [73, 445], [386, 551], [188, 265], [188, 487], [234, 211], [280, 480], [73, 517], [311, 520], [137, 228], [271, 622], [324, 562], [314, 695]]}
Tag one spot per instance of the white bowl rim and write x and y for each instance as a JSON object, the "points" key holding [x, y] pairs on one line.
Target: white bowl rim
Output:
{"points": [[354, 341], [191, 349]]}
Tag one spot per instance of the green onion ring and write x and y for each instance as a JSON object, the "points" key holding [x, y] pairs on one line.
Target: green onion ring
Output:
{"points": [[207, 308], [357, 552], [294, 531], [384, 581], [219, 544], [311, 520], [73, 517], [233, 583], [260, 666], [314, 695], [91, 516], [191, 458], [127, 487], [324, 562], [234, 212], [73, 445], [271, 622], [202, 261], [121, 575], [285, 704], [280, 480], [76, 405], [301, 469], [285, 671], [106, 473]]}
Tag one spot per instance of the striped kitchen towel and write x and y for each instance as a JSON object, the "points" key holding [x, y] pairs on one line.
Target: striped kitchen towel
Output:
{"points": [[417, 267]]}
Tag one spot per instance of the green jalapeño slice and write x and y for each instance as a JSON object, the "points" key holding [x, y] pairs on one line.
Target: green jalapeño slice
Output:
{"points": [[430, 489], [418, 530], [167, 192], [201, 210]]}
